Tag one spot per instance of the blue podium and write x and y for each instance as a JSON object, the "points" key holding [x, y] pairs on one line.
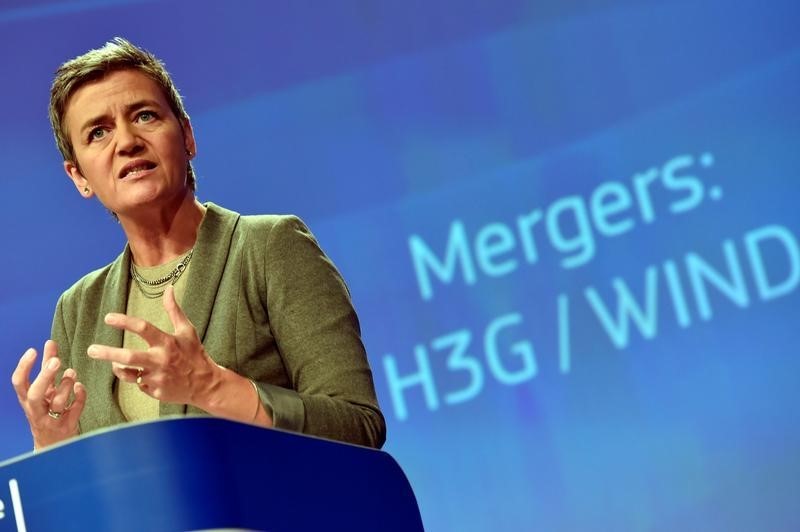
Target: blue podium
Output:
{"points": [[200, 473]]}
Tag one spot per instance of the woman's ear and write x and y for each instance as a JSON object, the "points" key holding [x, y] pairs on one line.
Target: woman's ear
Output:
{"points": [[188, 138], [80, 182]]}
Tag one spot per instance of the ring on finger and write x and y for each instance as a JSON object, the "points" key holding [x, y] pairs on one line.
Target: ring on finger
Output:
{"points": [[54, 415], [139, 376]]}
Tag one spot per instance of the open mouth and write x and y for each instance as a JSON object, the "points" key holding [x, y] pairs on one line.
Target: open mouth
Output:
{"points": [[136, 169]]}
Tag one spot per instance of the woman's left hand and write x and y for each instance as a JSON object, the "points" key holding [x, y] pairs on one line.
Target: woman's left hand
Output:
{"points": [[175, 368]]}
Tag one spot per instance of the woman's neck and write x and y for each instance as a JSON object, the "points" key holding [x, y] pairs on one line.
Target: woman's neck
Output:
{"points": [[160, 235]]}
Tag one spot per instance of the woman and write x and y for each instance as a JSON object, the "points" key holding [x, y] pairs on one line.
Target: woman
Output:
{"points": [[205, 311]]}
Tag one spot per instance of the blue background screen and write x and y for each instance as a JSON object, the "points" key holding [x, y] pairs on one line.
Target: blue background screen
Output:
{"points": [[570, 230]]}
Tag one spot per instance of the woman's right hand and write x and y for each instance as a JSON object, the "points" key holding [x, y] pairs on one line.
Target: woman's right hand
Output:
{"points": [[50, 414]]}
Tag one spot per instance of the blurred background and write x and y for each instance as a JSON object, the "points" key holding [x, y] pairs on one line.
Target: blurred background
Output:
{"points": [[570, 229]]}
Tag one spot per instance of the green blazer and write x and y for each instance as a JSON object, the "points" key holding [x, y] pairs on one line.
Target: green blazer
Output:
{"points": [[268, 304]]}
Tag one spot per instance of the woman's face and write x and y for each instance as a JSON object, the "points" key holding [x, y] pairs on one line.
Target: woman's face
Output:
{"points": [[130, 148]]}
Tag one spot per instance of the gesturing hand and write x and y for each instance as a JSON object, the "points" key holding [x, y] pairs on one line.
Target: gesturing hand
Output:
{"points": [[51, 417], [175, 368]]}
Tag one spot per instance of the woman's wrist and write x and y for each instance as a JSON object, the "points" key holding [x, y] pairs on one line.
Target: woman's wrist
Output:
{"points": [[233, 396]]}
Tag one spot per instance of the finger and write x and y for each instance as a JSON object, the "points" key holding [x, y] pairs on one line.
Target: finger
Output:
{"points": [[51, 390], [61, 397], [73, 413], [174, 311], [50, 351], [20, 379], [40, 385], [121, 355], [148, 332], [50, 393], [125, 373]]}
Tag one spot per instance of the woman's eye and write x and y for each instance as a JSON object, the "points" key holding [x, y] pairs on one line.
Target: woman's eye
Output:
{"points": [[97, 133]]}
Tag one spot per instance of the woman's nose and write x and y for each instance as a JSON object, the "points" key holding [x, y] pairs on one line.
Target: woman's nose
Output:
{"points": [[128, 140]]}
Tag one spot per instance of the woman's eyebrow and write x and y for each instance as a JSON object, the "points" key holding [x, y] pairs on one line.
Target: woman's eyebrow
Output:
{"points": [[130, 108], [139, 104]]}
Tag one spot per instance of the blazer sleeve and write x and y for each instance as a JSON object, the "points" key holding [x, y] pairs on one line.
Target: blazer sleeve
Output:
{"points": [[318, 336], [58, 333]]}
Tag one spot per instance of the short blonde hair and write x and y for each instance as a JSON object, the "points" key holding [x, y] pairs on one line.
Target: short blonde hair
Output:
{"points": [[117, 54]]}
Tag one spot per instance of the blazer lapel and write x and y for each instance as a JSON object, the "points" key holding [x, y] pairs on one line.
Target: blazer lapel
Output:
{"points": [[115, 299], [208, 265]]}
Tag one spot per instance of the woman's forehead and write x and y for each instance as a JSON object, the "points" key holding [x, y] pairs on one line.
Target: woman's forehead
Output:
{"points": [[111, 93]]}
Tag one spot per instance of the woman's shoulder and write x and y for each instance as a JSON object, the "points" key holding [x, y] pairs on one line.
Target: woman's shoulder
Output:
{"points": [[277, 231], [93, 284], [268, 227], [259, 222], [270, 220]]}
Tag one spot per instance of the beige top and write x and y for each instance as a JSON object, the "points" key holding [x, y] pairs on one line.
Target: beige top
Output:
{"points": [[135, 404]]}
